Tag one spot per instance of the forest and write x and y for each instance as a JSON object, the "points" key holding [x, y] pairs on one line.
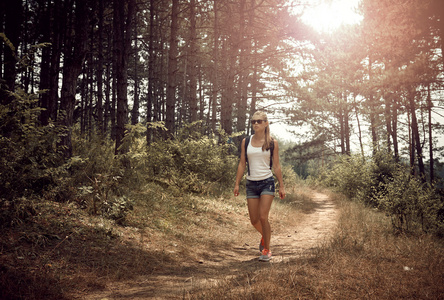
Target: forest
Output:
{"points": [[102, 101], [98, 66]]}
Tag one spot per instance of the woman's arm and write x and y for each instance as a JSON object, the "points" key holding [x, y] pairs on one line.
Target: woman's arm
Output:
{"points": [[240, 169], [277, 169]]}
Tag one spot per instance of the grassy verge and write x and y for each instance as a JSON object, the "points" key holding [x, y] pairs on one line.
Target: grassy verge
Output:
{"points": [[61, 252], [363, 260]]}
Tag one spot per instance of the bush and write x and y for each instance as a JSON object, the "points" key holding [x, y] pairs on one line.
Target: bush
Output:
{"points": [[200, 164], [99, 178], [289, 175], [30, 159], [387, 185], [410, 203], [186, 163], [349, 175]]}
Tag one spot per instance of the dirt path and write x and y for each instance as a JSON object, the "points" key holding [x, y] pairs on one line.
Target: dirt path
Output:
{"points": [[288, 243], [311, 233]]}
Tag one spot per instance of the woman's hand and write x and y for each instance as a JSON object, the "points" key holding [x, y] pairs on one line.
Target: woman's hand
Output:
{"points": [[282, 192], [236, 190]]}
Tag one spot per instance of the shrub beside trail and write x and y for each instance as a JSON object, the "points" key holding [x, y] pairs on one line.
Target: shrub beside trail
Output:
{"points": [[388, 185]]}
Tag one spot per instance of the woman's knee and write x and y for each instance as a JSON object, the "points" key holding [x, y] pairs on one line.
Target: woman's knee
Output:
{"points": [[263, 219], [254, 220]]}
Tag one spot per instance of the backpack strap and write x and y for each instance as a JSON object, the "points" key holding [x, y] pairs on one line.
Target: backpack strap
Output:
{"points": [[247, 141], [271, 152]]}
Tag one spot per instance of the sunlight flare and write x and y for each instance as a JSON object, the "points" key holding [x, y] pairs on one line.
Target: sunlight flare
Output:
{"points": [[327, 16]]}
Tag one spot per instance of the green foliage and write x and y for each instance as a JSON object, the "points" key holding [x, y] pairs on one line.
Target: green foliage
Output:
{"points": [[192, 163], [409, 202], [387, 185], [349, 175], [30, 160], [289, 175], [117, 208], [106, 183], [99, 177]]}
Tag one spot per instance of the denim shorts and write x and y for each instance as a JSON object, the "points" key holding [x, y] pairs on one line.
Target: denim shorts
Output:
{"points": [[262, 187]]}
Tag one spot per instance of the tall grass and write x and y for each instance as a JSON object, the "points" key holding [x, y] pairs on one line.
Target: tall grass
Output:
{"points": [[362, 260]]}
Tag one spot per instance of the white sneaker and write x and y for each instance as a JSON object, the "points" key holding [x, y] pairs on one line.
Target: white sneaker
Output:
{"points": [[266, 255]]}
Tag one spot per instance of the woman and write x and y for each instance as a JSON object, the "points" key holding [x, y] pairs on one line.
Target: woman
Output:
{"points": [[260, 182]]}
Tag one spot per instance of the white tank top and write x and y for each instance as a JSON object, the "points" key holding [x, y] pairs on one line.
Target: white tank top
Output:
{"points": [[259, 162]]}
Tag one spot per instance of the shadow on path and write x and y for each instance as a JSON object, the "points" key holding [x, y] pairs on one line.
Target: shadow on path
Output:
{"points": [[223, 265]]}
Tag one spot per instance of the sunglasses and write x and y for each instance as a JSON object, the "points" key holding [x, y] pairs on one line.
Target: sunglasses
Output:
{"points": [[257, 121]]}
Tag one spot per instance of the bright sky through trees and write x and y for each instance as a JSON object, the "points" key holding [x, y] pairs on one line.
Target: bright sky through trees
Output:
{"points": [[328, 15], [324, 16]]}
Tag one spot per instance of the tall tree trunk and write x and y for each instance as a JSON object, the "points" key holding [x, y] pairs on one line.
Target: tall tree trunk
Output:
{"points": [[45, 63], [342, 130], [347, 131], [411, 146], [182, 104], [50, 63], [193, 62], [114, 75], [74, 56], [388, 121], [254, 81], [119, 73], [136, 105], [12, 29], [26, 41], [172, 69], [201, 92], [109, 85], [226, 114], [90, 68], [243, 71], [416, 138], [151, 79], [83, 102], [395, 128], [373, 112], [99, 71], [343, 123], [253, 94], [359, 129], [2, 45], [161, 77], [55, 62], [108, 91], [122, 45], [215, 78], [429, 109]]}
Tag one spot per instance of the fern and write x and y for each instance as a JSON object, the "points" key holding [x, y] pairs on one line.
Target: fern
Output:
{"points": [[30, 158]]}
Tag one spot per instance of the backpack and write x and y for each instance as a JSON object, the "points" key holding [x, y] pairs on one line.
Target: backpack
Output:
{"points": [[247, 141]]}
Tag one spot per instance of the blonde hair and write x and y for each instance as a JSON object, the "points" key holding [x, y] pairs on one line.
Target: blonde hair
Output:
{"points": [[267, 140]]}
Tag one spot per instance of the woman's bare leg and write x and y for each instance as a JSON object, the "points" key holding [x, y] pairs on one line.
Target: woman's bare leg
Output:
{"points": [[258, 210], [253, 211], [264, 209]]}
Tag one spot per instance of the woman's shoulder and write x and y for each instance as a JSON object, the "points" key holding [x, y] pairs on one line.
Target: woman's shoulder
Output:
{"points": [[274, 142], [244, 141]]}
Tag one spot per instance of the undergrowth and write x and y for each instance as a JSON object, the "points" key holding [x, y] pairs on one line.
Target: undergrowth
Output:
{"points": [[383, 183]]}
